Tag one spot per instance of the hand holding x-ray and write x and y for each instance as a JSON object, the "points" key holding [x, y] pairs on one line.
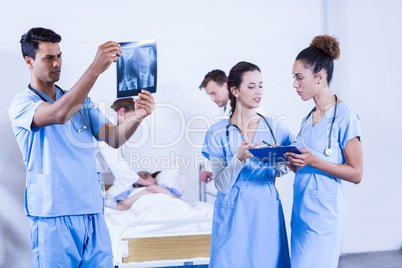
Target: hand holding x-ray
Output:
{"points": [[144, 104]]}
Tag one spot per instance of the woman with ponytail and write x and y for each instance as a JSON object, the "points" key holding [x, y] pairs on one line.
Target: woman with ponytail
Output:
{"points": [[330, 142], [248, 226]]}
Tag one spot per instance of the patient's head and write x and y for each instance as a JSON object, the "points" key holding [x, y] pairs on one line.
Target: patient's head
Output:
{"points": [[124, 109], [146, 179]]}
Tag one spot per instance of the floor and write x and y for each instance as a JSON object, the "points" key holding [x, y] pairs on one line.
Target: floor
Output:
{"points": [[386, 259]]}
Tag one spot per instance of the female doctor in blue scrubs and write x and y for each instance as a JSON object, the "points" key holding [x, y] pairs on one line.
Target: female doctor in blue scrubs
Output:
{"points": [[330, 142], [248, 225]]}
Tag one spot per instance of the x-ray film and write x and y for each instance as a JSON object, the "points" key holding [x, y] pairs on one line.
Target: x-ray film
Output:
{"points": [[136, 68]]}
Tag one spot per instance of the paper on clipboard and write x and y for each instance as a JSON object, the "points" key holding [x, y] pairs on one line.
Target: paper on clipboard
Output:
{"points": [[272, 155]]}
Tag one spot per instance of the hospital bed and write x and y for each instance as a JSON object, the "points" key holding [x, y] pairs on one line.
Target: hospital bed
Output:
{"points": [[160, 231], [161, 250], [205, 189]]}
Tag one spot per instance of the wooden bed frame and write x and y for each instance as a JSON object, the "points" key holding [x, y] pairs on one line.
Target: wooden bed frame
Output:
{"points": [[168, 248], [151, 249], [182, 248]]}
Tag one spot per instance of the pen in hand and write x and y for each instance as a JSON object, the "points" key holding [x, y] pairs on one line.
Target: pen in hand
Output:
{"points": [[270, 145]]}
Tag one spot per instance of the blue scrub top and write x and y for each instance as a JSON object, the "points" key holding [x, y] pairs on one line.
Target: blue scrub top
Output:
{"points": [[60, 162], [319, 202], [248, 227]]}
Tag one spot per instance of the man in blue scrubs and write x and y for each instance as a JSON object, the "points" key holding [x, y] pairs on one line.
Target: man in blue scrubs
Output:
{"points": [[55, 130]]}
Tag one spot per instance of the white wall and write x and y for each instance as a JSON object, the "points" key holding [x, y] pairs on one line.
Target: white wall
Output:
{"points": [[195, 37], [370, 82]]}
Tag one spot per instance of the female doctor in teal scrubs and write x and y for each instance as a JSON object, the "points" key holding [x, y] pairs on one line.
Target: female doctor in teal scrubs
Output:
{"points": [[330, 142], [248, 225]]}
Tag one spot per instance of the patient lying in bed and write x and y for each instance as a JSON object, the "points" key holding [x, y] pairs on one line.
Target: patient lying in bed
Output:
{"points": [[148, 184]]}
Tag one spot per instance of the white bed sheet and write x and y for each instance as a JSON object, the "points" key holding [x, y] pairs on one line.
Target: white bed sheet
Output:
{"points": [[138, 221]]}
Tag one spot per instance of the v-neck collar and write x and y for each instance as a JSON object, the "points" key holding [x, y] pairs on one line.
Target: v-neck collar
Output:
{"points": [[244, 138], [256, 130], [324, 115], [45, 97]]}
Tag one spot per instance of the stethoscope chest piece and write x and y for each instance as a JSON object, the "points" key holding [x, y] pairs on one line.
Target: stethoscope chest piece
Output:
{"points": [[328, 151]]}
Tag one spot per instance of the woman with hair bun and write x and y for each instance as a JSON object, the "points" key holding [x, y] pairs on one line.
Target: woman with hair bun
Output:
{"points": [[248, 228], [329, 140]]}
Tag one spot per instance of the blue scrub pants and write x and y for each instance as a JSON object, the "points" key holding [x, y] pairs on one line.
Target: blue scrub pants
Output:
{"points": [[71, 241]]}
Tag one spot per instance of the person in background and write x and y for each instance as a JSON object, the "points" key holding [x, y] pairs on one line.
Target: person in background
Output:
{"points": [[54, 130], [248, 228], [124, 201], [329, 140], [215, 85], [126, 179], [112, 159]]}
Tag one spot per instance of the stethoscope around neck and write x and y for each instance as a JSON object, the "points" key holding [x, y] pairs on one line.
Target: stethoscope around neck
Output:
{"points": [[37, 92], [243, 138], [328, 151]]}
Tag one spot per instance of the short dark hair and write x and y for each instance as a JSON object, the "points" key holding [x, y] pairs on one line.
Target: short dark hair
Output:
{"points": [[218, 76], [30, 40], [127, 104], [153, 175]]}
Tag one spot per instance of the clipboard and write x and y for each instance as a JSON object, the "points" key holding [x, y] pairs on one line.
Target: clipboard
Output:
{"points": [[272, 155]]}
